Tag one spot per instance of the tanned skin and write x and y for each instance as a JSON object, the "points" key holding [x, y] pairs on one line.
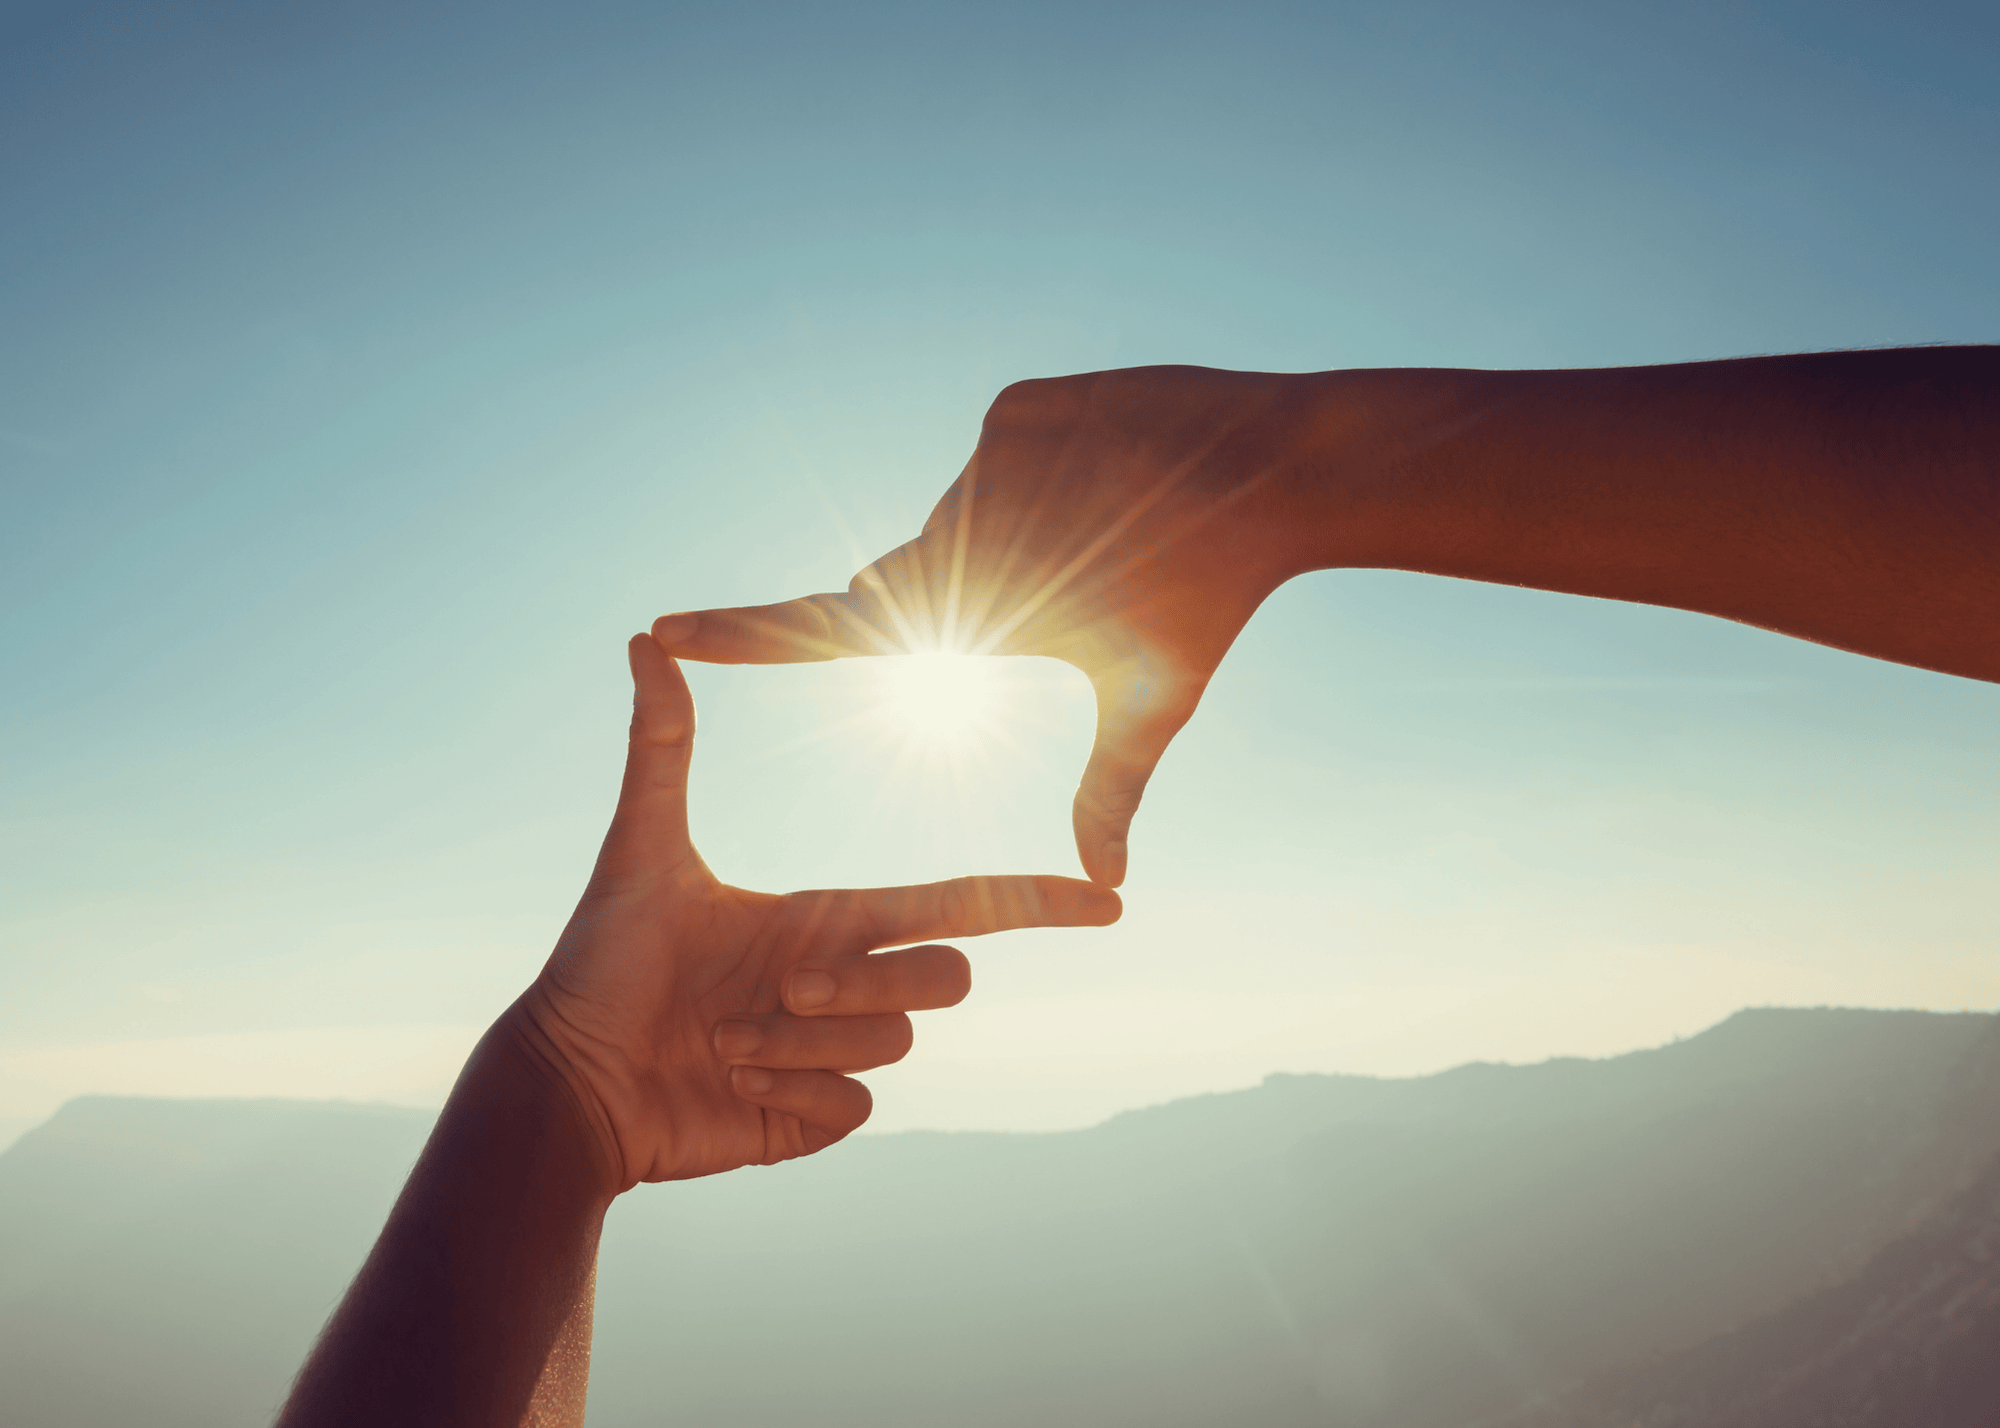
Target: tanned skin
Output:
{"points": [[1131, 522], [682, 1027]]}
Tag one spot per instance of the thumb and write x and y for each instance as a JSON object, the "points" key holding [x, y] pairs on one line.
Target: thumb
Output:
{"points": [[1129, 744], [650, 827]]}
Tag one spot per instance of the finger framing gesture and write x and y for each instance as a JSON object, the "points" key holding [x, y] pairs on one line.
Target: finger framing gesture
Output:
{"points": [[702, 1026]]}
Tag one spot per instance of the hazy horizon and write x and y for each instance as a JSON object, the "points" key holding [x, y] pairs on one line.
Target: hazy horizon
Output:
{"points": [[449, 1053], [367, 377], [1391, 1254]]}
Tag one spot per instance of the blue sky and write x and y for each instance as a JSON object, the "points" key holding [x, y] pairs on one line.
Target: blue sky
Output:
{"points": [[369, 372]]}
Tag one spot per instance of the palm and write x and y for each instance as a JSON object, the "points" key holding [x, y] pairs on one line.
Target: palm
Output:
{"points": [[660, 955], [656, 973], [678, 963]]}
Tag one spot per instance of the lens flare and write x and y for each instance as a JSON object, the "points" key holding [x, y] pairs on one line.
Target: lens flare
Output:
{"points": [[941, 701]]}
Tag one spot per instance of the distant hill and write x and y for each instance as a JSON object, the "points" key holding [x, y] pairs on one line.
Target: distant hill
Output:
{"points": [[1435, 1252], [1912, 1338], [167, 1262]]}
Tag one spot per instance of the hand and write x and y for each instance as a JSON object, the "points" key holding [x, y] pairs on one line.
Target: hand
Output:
{"points": [[701, 1027], [1126, 522]]}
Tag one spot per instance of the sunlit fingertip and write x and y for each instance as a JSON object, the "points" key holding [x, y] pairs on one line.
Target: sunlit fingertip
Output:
{"points": [[957, 984], [858, 1105], [1111, 857], [1072, 902], [676, 629]]}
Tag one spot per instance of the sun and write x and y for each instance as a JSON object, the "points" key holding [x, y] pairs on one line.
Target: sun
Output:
{"points": [[939, 701]]}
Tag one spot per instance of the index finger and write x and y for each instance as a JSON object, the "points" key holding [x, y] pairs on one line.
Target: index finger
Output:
{"points": [[904, 602], [975, 906], [814, 627]]}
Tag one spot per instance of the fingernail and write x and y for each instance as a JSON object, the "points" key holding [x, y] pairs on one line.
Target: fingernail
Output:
{"points": [[675, 629], [735, 1040], [751, 1080], [809, 989]]}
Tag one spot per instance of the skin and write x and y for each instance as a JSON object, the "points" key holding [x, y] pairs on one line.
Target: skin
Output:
{"points": [[682, 1027], [1131, 522]]}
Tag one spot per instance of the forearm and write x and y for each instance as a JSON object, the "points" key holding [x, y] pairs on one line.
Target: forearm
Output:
{"points": [[474, 1307], [1849, 498]]}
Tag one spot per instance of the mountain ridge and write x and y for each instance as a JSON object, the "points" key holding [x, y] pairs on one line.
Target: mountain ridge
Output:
{"points": [[1423, 1252]]}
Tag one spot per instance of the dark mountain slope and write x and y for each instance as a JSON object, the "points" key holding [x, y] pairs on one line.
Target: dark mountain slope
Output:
{"points": [[1911, 1341], [1421, 1252], [1510, 1252], [1416, 1253]]}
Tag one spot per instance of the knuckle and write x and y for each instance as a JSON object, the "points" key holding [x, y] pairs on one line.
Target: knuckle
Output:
{"points": [[1113, 802], [1037, 400], [1014, 902], [802, 627], [812, 614], [870, 579], [650, 730], [954, 901], [808, 913], [1019, 396]]}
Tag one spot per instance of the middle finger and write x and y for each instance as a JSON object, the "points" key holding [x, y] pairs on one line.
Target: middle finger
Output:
{"points": [[835, 1043], [909, 979]]}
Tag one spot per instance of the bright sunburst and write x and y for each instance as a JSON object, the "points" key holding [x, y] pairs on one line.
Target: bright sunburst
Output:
{"points": [[941, 701]]}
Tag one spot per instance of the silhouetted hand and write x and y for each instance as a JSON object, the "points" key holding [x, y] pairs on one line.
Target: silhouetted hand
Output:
{"points": [[1131, 522], [1124, 522], [702, 1027]]}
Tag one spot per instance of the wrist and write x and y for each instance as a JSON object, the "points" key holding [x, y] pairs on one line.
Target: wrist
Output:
{"points": [[1372, 462], [538, 1075]]}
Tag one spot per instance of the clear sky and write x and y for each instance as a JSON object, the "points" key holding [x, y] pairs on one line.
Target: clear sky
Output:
{"points": [[369, 372]]}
